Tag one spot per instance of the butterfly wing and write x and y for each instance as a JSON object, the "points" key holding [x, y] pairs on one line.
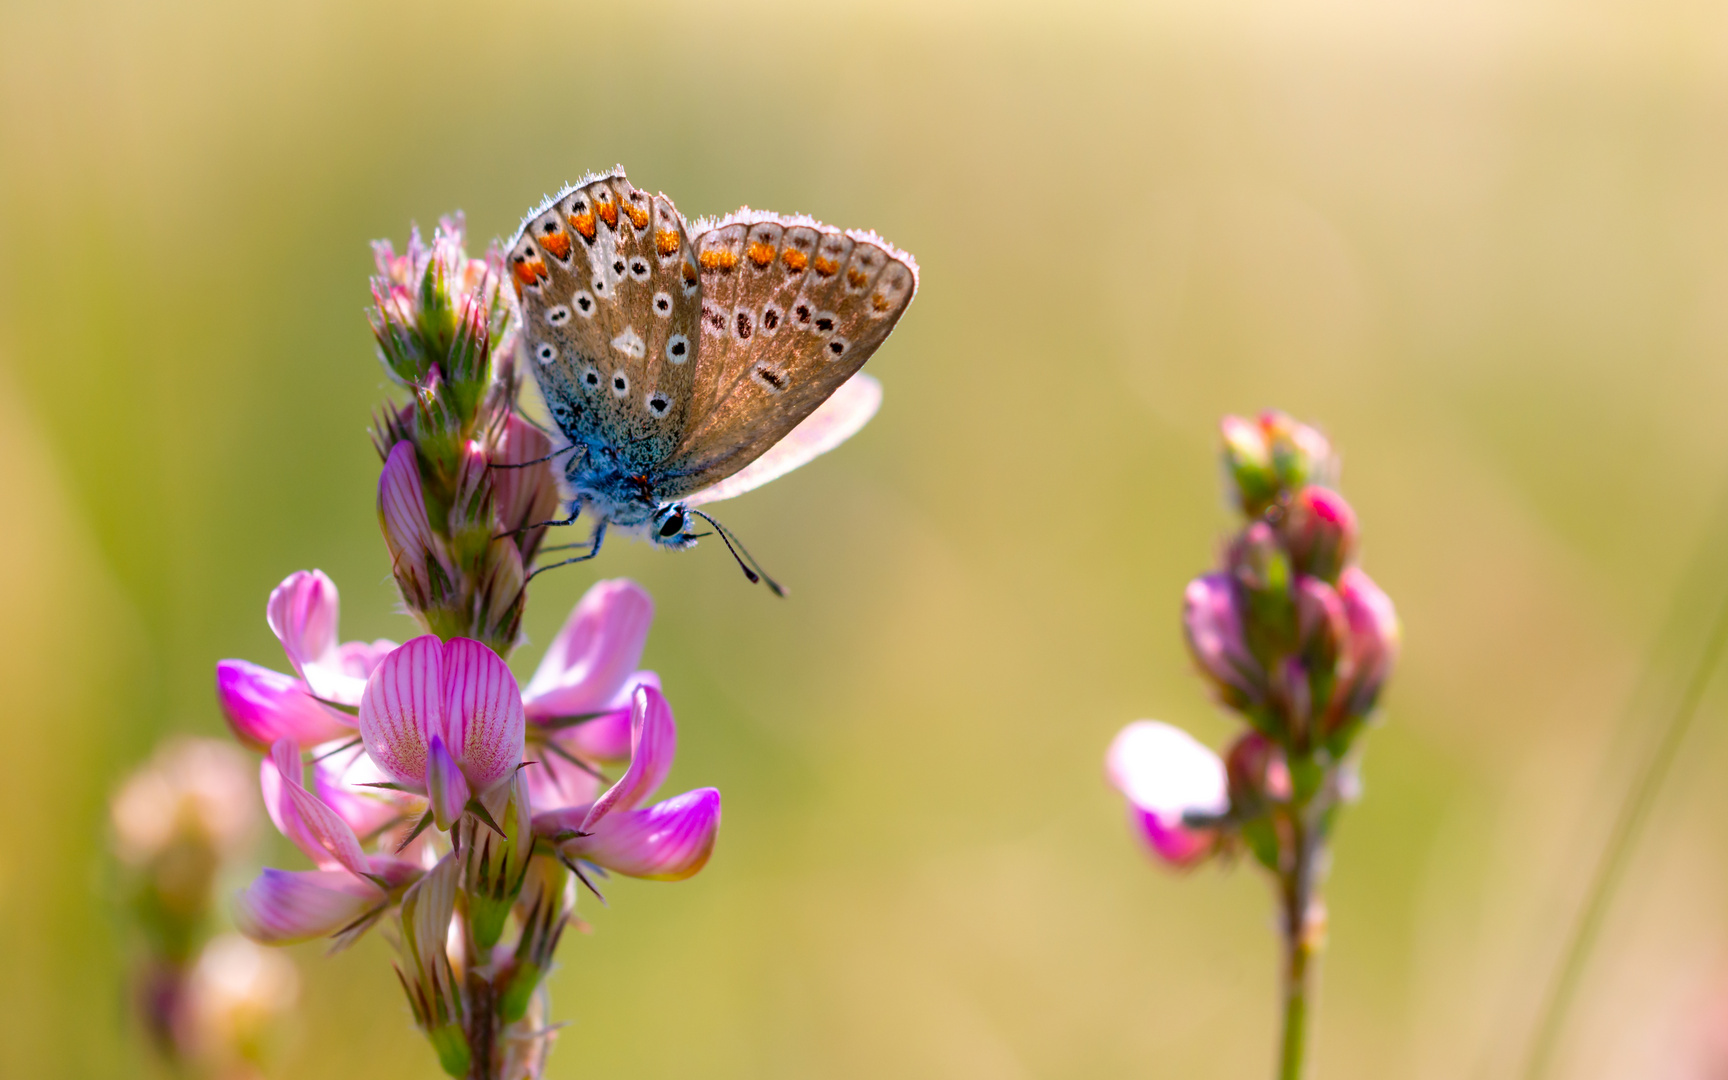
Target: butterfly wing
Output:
{"points": [[839, 418], [606, 278], [791, 309]]}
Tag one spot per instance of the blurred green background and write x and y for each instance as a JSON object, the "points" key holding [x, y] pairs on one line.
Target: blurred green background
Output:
{"points": [[1484, 243]]}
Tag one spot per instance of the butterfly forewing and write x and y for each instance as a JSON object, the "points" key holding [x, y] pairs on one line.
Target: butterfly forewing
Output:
{"points": [[605, 276], [790, 310]]}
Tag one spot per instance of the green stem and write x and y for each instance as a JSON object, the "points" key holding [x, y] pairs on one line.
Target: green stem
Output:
{"points": [[1616, 855], [1295, 893]]}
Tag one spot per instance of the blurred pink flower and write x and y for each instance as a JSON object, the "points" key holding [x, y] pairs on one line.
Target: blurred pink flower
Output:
{"points": [[263, 705], [444, 720], [668, 841], [1165, 774], [1370, 646]]}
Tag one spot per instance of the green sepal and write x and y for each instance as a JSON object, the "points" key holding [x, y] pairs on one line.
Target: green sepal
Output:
{"points": [[513, 1004], [1262, 840], [451, 1045]]}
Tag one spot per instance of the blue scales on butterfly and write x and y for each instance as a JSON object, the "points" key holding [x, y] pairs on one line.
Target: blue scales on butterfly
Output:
{"points": [[688, 364]]}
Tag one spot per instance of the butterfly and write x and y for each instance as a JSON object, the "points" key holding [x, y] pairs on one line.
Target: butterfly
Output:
{"points": [[688, 364]]}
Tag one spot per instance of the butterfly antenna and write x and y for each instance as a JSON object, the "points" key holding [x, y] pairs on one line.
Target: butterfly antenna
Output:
{"points": [[746, 562]]}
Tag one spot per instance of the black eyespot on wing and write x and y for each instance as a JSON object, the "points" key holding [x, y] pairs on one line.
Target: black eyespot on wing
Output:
{"points": [[803, 312], [770, 319], [824, 324], [744, 326]]}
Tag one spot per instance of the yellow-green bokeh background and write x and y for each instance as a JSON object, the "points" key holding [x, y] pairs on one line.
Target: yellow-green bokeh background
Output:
{"points": [[1484, 243]]}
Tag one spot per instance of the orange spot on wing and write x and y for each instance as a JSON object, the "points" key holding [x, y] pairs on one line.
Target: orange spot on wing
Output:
{"points": [[880, 302], [857, 278], [825, 266], [761, 254], [530, 271], [718, 260], [666, 241], [638, 216], [557, 243], [584, 224], [689, 274], [609, 214], [795, 260]]}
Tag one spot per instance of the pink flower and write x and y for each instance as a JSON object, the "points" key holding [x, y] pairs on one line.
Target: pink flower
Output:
{"points": [[1166, 774], [1320, 530], [349, 886], [668, 841], [579, 698], [444, 720], [263, 705]]}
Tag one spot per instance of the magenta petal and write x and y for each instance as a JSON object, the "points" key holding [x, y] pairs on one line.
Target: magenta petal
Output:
{"points": [[315, 828], [653, 741], [1212, 620], [263, 705], [282, 907], [607, 736], [446, 789], [594, 653], [668, 841], [403, 706], [483, 719], [361, 658], [1177, 844]]}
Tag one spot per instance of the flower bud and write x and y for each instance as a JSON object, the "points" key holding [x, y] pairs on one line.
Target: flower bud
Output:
{"points": [[1257, 773], [1169, 778], [1264, 578], [1270, 457], [493, 866], [1319, 530], [1212, 623], [543, 908], [428, 980], [417, 557], [1370, 648]]}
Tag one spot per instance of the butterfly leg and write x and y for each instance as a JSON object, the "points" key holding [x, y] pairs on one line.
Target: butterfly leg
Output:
{"points": [[575, 512], [599, 535], [526, 464]]}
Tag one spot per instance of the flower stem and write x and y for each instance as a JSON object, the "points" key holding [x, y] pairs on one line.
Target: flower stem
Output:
{"points": [[1295, 889]]}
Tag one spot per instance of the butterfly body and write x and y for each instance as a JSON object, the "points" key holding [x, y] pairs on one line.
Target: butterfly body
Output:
{"points": [[685, 364]]}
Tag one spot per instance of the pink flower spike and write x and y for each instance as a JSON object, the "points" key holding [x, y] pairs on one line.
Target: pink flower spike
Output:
{"points": [[668, 841], [263, 705], [459, 694], [446, 790], [315, 828], [283, 907], [1165, 773], [591, 659], [653, 742]]}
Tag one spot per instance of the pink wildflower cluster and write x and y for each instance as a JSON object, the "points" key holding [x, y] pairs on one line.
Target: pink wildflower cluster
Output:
{"points": [[423, 784], [438, 789], [1295, 639]]}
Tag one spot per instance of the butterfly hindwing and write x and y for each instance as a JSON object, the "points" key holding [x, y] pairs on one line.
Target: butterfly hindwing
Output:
{"points": [[791, 309], [605, 274]]}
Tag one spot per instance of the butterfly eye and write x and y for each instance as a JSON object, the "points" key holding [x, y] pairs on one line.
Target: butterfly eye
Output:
{"points": [[673, 525]]}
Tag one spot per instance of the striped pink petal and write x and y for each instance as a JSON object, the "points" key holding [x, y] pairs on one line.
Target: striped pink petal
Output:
{"points": [[282, 907], [303, 818], [340, 779], [591, 659], [653, 742], [263, 705], [668, 841], [402, 707], [483, 719]]}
